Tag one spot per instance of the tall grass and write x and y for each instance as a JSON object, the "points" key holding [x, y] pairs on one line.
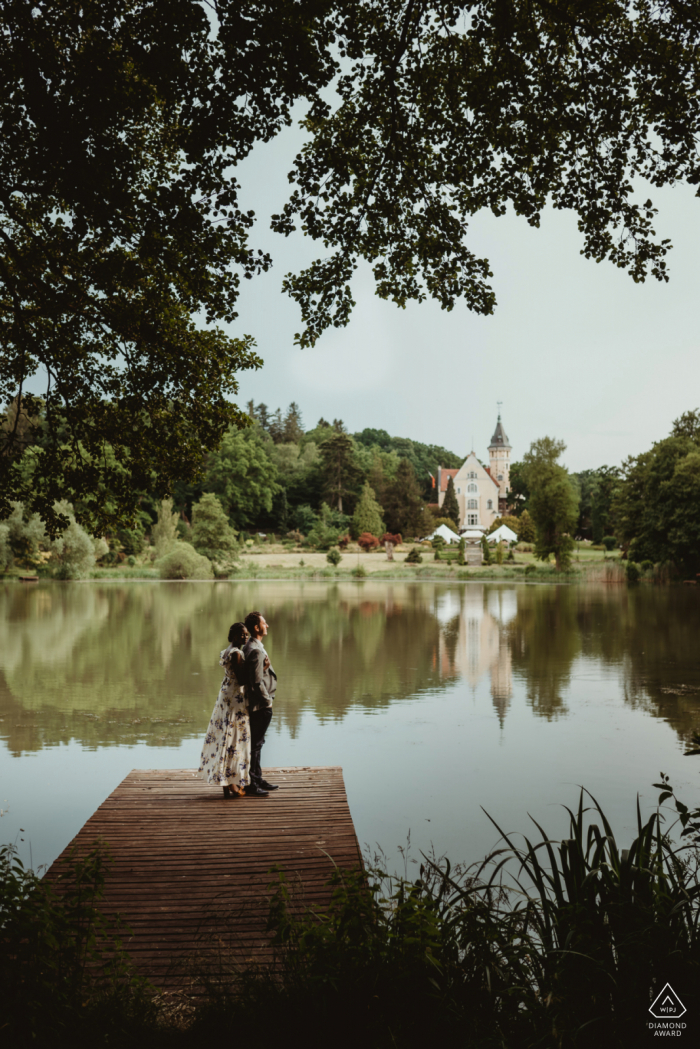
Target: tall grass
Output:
{"points": [[547, 944]]}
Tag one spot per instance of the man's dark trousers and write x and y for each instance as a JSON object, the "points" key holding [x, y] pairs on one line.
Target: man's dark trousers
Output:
{"points": [[259, 721]]}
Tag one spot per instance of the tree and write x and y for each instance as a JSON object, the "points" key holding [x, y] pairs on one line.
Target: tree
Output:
{"points": [[124, 238], [340, 472], [368, 514], [242, 474], [519, 491], [450, 506], [164, 531], [212, 535], [553, 501], [526, 529], [403, 504], [596, 489], [293, 425], [656, 508]]}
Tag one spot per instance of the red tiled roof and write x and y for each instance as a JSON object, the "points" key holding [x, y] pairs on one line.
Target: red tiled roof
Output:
{"points": [[444, 476]]}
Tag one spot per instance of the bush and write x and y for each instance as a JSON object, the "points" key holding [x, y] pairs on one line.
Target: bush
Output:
{"points": [[26, 534], [632, 571], [212, 535], [74, 550], [183, 562], [414, 557], [164, 531], [526, 528], [486, 550], [5, 548], [368, 541], [609, 542], [646, 566], [359, 572], [529, 569], [334, 557]]}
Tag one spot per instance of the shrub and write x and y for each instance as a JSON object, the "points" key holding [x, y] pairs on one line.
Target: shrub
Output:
{"points": [[343, 541], [359, 572], [164, 531], [183, 562], [100, 548], [530, 568], [389, 538], [486, 551], [5, 548], [26, 534], [212, 535], [368, 541], [73, 551], [499, 553], [646, 566], [368, 513], [414, 557], [609, 542], [296, 537], [526, 528], [333, 557], [632, 571]]}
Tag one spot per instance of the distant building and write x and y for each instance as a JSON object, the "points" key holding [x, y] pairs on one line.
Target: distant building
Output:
{"points": [[482, 491]]}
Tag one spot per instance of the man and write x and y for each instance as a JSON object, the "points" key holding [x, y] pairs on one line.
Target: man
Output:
{"points": [[261, 684]]}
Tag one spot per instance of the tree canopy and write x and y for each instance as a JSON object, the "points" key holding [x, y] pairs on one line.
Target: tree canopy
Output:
{"points": [[554, 500], [123, 236]]}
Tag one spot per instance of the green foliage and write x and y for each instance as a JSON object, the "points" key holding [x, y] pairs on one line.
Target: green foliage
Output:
{"points": [[553, 501], [403, 503], [609, 542], [657, 502], [304, 518], [565, 937], [73, 551], [519, 490], [359, 572], [646, 566], [450, 506], [368, 514], [424, 458], [242, 473], [632, 572], [62, 960], [212, 535], [339, 468], [164, 532], [182, 561], [414, 557], [5, 548], [596, 490], [328, 528], [499, 554], [526, 530], [334, 557], [26, 534], [485, 550], [462, 550]]}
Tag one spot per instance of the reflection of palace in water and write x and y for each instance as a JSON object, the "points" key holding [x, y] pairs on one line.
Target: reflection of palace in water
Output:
{"points": [[472, 642]]}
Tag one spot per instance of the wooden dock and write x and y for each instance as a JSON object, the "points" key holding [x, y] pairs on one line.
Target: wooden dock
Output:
{"points": [[190, 870]]}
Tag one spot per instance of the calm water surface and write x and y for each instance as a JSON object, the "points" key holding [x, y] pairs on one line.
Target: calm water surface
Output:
{"points": [[438, 700]]}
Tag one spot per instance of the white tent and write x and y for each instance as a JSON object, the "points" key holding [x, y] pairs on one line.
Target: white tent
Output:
{"points": [[446, 533], [504, 533]]}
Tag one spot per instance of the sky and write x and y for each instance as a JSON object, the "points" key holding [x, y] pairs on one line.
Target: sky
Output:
{"points": [[575, 350]]}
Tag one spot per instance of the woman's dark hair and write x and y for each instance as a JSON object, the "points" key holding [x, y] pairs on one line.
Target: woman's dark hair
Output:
{"points": [[238, 634]]}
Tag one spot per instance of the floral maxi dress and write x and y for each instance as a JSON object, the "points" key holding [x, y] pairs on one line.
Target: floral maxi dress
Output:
{"points": [[226, 752]]}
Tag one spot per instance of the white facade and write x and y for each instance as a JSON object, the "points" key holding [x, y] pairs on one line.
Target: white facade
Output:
{"points": [[477, 493], [478, 490]]}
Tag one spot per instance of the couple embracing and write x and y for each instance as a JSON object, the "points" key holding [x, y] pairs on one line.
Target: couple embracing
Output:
{"points": [[236, 733]]}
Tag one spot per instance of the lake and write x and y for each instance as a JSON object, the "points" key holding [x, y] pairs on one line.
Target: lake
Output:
{"points": [[439, 700]]}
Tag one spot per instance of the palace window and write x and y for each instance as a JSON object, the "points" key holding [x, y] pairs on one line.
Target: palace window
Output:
{"points": [[471, 473], [500, 477], [459, 491], [472, 504], [490, 504], [472, 519], [472, 488]]}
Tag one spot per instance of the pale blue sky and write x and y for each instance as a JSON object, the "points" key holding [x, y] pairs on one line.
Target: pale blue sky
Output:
{"points": [[574, 350]]}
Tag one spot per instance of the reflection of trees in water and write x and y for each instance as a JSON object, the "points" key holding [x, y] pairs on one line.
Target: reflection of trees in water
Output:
{"points": [[126, 663], [108, 664], [544, 641]]}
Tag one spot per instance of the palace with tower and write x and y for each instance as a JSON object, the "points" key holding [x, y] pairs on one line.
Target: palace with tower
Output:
{"points": [[482, 491]]}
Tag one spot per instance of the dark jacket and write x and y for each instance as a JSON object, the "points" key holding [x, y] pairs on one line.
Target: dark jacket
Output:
{"points": [[260, 680]]}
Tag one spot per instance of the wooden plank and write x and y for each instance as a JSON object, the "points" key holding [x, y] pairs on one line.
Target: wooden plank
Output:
{"points": [[191, 871]]}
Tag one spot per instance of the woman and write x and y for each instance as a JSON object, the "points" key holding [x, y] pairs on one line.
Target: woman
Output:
{"points": [[226, 751]]}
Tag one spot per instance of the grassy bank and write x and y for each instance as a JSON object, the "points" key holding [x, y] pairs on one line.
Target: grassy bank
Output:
{"points": [[548, 944], [589, 566]]}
